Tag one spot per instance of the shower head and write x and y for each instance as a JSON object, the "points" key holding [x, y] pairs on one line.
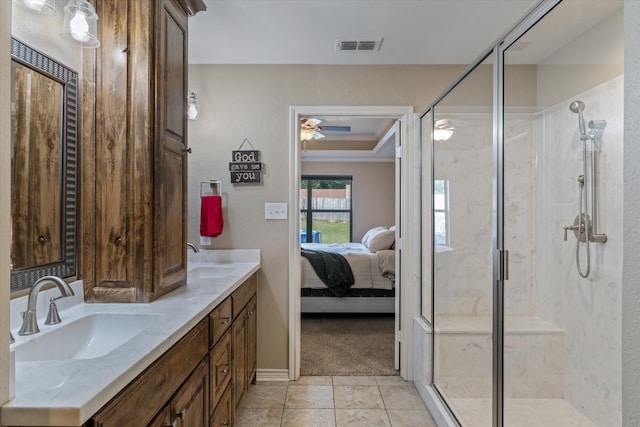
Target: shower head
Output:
{"points": [[577, 107]]}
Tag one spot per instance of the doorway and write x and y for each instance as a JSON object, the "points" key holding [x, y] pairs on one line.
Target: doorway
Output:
{"points": [[406, 290]]}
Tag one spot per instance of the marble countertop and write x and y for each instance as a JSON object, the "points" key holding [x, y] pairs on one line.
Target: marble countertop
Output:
{"points": [[69, 392]]}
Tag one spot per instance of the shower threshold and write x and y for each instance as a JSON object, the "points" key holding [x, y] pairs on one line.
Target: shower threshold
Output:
{"points": [[476, 412]]}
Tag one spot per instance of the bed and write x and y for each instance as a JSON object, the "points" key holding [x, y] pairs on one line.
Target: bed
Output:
{"points": [[373, 290]]}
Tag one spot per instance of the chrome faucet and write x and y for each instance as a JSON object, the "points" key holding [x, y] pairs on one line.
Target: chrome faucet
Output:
{"points": [[29, 321], [193, 247]]}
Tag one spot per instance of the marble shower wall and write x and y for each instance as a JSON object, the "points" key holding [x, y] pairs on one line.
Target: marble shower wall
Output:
{"points": [[464, 272], [589, 310]]}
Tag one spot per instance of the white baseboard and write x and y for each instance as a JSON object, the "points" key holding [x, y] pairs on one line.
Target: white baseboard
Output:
{"points": [[263, 375]]}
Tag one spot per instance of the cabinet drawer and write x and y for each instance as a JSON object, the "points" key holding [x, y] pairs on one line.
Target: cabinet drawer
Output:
{"points": [[220, 321], [223, 414], [243, 294], [220, 369]]}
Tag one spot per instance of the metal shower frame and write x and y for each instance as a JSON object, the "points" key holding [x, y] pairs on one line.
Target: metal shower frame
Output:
{"points": [[500, 253]]}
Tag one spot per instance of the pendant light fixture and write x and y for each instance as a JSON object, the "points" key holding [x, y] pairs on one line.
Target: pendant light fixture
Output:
{"points": [[442, 130], [193, 106], [80, 26], [42, 7]]}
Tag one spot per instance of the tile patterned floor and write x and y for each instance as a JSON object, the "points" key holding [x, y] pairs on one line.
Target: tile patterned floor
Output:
{"points": [[337, 401]]}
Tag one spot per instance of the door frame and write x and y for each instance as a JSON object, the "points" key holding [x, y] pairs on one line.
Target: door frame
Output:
{"points": [[408, 244]]}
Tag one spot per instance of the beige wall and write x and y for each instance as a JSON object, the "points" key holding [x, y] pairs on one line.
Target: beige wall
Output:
{"points": [[373, 191], [252, 101], [5, 194]]}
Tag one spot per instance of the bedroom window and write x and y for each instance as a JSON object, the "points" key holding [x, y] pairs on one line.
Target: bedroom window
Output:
{"points": [[325, 209], [441, 212]]}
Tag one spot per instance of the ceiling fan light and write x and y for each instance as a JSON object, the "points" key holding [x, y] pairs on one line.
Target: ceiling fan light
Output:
{"points": [[307, 134], [312, 122]]}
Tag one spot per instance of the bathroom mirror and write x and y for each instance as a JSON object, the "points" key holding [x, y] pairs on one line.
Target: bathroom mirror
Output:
{"points": [[43, 167]]}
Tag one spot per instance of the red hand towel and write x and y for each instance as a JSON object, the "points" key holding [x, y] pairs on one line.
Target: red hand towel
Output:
{"points": [[211, 221]]}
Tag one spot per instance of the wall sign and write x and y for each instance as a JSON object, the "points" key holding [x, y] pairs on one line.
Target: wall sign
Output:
{"points": [[245, 166]]}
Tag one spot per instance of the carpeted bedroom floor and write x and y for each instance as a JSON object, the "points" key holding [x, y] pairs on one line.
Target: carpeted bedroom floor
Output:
{"points": [[347, 345]]}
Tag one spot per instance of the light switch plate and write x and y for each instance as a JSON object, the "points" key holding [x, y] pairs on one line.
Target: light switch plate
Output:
{"points": [[275, 211]]}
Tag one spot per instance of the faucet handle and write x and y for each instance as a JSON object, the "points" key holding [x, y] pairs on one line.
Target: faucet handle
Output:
{"points": [[11, 338], [53, 318]]}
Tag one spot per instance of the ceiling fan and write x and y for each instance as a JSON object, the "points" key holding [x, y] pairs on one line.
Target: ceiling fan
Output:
{"points": [[310, 129]]}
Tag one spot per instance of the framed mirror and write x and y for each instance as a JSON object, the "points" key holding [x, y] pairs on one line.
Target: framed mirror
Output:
{"points": [[44, 184]]}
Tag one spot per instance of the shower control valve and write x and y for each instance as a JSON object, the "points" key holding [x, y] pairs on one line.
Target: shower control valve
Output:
{"points": [[572, 228]]}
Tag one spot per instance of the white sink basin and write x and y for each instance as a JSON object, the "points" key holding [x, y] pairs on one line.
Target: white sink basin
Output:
{"points": [[88, 337], [210, 272]]}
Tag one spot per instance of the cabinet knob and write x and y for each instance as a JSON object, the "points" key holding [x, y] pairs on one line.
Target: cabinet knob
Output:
{"points": [[117, 240], [186, 150], [224, 369], [224, 320], [42, 239]]}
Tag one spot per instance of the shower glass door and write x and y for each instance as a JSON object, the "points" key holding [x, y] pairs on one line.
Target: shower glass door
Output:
{"points": [[562, 345], [463, 164]]}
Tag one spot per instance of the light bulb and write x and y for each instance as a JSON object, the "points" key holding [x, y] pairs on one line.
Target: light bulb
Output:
{"points": [[79, 26], [192, 112]]}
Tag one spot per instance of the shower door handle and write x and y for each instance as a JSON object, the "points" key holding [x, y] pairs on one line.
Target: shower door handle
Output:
{"points": [[503, 264]]}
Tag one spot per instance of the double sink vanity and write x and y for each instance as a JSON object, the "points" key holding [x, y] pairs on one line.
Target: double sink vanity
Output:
{"points": [[184, 359]]}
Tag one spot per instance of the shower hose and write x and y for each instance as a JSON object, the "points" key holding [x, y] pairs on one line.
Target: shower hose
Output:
{"points": [[583, 219]]}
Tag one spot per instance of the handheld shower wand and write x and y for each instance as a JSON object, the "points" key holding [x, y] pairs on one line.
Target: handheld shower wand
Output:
{"points": [[577, 107], [585, 227]]}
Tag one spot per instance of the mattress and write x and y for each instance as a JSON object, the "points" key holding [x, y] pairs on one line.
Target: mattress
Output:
{"points": [[365, 265]]}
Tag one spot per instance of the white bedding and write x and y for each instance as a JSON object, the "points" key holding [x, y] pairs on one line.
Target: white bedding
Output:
{"points": [[364, 264]]}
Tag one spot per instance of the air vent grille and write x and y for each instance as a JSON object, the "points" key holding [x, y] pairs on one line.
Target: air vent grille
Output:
{"points": [[347, 45], [355, 45], [367, 45]]}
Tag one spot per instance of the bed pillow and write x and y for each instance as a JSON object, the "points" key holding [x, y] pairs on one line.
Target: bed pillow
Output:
{"points": [[369, 234], [382, 239]]}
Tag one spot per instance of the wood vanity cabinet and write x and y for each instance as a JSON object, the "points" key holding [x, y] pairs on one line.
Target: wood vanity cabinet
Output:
{"points": [[200, 380], [244, 337], [180, 377], [135, 150]]}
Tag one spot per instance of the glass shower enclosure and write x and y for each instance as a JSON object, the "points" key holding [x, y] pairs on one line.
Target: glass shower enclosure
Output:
{"points": [[525, 200]]}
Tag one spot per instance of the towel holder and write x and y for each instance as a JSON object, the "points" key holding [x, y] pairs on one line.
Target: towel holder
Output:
{"points": [[211, 183]]}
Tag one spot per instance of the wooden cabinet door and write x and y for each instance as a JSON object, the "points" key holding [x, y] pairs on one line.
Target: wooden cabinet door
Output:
{"points": [[220, 369], [239, 332], [252, 335], [170, 174], [223, 414], [191, 401], [163, 419]]}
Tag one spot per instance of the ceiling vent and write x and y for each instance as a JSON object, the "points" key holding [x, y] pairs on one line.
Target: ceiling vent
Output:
{"points": [[363, 45]]}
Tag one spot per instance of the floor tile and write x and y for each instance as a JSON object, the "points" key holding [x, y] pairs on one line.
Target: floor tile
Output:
{"points": [[309, 397], [309, 418], [362, 418], [410, 418], [319, 380], [401, 397], [354, 380], [265, 397], [357, 397], [248, 417], [391, 380]]}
